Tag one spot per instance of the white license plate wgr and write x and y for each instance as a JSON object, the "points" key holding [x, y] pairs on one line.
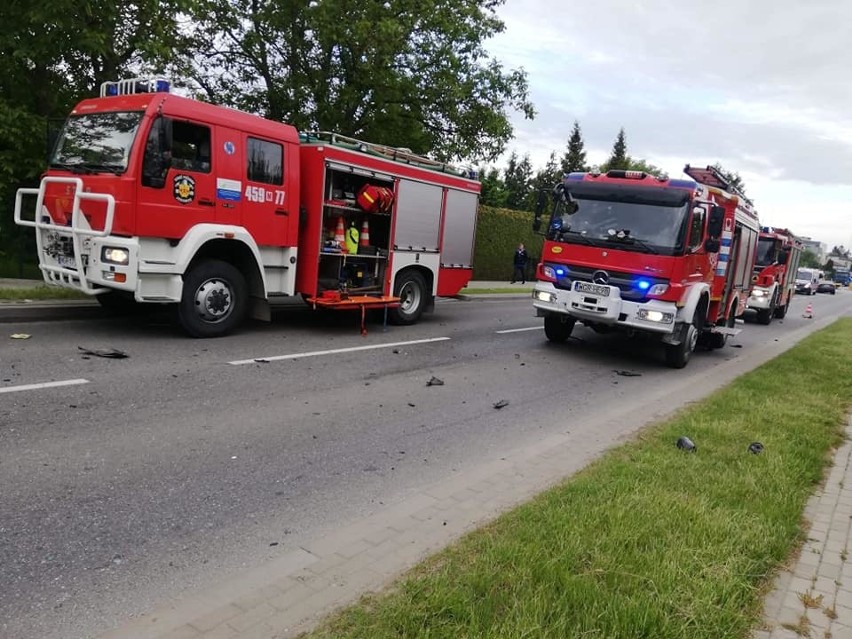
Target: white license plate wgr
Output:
{"points": [[594, 289]]}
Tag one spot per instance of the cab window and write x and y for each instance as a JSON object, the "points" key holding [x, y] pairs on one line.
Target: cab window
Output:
{"points": [[265, 162], [190, 147]]}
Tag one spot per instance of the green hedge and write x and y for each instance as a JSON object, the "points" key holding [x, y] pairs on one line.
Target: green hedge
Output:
{"points": [[498, 233]]}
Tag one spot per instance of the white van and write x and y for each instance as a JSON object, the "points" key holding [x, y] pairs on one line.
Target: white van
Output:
{"points": [[807, 280]]}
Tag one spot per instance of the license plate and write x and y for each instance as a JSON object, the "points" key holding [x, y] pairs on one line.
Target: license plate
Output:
{"points": [[66, 261], [594, 289]]}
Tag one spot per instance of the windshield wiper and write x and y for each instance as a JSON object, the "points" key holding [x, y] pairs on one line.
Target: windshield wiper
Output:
{"points": [[632, 241], [68, 166], [104, 168], [578, 235]]}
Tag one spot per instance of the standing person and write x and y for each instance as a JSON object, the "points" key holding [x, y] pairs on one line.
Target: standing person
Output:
{"points": [[520, 263]]}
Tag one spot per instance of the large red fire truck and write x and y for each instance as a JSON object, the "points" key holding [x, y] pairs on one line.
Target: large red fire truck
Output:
{"points": [[774, 280], [665, 258], [154, 197]]}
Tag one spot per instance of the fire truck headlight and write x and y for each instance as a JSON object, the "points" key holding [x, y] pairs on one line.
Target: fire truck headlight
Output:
{"points": [[115, 255], [655, 316], [544, 296], [758, 293], [658, 289]]}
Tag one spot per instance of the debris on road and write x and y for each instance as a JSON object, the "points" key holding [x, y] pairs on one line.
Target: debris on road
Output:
{"points": [[20, 336], [501, 404], [626, 373], [435, 382], [109, 353]]}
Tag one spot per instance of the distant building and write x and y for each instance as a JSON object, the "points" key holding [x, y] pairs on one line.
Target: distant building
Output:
{"points": [[815, 247]]}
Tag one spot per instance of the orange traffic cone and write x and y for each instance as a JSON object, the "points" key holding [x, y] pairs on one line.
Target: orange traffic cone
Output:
{"points": [[339, 232], [809, 311], [365, 234]]}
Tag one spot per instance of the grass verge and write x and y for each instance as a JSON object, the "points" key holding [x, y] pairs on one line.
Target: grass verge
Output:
{"points": [[41, 293], [648, 541]]}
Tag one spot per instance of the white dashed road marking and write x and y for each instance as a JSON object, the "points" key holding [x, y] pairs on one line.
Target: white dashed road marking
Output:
{"points": [[334, 351], [519, 330], [26, 387]]}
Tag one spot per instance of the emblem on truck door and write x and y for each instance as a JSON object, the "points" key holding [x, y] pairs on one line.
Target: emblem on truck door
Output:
{"points": [[184, 189]]}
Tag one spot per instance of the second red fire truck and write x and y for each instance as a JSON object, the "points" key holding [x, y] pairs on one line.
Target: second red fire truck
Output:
{"points": [[775, 267], [151, 197], [670, 259]]}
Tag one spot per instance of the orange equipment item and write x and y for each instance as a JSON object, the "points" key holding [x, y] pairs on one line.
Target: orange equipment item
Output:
{"points": [[809, 311], [375, 199], [339, 234], [365, 234]]}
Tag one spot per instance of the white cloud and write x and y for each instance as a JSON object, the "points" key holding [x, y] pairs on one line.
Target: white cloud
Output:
{"points": [[758, 86]]}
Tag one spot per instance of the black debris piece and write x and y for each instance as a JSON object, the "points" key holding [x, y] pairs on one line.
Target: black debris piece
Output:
{"points": [[412, 405], [685, 443], [755, 448], [109, 353], [736, 345], [274, 543], [627, 373], [501, 404], [396, 351], [435, 382]]}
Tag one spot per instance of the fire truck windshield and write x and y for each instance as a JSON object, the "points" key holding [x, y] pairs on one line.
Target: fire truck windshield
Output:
{"points": [[649, 227], [765, 251], [97, 142]]}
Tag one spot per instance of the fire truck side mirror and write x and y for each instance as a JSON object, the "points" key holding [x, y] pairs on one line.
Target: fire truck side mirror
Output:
{"points": [[711, 245], [715, 221]]}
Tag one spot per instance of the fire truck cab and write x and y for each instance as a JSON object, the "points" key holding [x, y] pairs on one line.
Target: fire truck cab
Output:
{"points": [[668, 259], [151, 197]]}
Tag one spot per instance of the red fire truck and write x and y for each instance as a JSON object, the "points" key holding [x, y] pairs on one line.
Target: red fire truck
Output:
{"points": [[774, 280], [670, 259], [154, 197]]}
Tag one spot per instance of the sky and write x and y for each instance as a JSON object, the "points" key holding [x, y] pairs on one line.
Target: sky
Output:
{"points": [[763, 88]]}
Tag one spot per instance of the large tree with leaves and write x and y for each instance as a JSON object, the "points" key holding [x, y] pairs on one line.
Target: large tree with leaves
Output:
{"points": [[404, 73]]}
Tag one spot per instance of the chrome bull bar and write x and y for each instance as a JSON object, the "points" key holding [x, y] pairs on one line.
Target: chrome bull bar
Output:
{"points": [[56, 273]]}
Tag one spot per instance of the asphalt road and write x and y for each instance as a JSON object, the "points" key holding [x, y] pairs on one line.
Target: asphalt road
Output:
{"points": [[149, 477]]}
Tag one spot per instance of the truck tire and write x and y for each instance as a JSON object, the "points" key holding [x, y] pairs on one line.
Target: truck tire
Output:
{"points": [[781, 311], [410, 288], [558, 327], [214, 300], [678, 355]]}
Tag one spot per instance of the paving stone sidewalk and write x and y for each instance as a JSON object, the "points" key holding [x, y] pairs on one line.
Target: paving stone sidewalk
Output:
{"points": [[814, 598]]}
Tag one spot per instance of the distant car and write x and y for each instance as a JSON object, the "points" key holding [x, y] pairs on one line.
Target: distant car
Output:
{"points": [[826, 287]]}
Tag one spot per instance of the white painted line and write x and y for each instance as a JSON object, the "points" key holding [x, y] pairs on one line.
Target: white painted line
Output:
{"points": [[520, 330], [26, 387], [334, 351]]}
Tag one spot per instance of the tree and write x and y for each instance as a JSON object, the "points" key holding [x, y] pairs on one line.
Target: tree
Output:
{"points": [[544, 180], [405, 74], [809, 259], [518, 180], [574, 158], [493, 189], [618, 158]]}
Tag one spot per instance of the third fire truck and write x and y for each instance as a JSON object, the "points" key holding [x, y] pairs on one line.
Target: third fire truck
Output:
{"points": [[152, 197], [669, 259], [778, 253]]}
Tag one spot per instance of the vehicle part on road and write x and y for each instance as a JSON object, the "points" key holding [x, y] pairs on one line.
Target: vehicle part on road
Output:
{"points": [[109, 353], [685, 443], [20, 336], [435, 382], [755, 448], [501, 404]]}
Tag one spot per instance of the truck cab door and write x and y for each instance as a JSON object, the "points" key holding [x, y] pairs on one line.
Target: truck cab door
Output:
{"points": [[269, 209]]}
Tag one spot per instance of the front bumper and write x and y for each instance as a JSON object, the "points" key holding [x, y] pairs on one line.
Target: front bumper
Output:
{"points": [[608, 309], [759, 299]]}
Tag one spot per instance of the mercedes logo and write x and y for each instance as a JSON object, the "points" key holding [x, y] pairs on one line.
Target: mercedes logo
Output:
{"points": [[600, 277]]}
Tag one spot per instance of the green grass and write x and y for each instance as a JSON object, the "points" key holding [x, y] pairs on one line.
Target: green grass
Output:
{"points": [[41, 293], [648, 541]]}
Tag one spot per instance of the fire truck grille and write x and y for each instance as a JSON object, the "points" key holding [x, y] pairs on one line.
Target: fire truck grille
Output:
{"points": [[626, 282]]}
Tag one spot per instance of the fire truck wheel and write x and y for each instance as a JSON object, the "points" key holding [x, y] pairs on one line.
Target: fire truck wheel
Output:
{"points": [[410, 288], [678, 355], [781, 311], [214, 299], [558, 327]]}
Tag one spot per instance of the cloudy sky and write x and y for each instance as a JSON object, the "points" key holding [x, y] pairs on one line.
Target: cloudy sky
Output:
{"points": [[764, 88]]}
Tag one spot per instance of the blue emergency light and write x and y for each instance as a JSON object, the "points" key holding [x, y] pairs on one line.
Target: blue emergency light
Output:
{"points": [[643, 284], [135, 85]]}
